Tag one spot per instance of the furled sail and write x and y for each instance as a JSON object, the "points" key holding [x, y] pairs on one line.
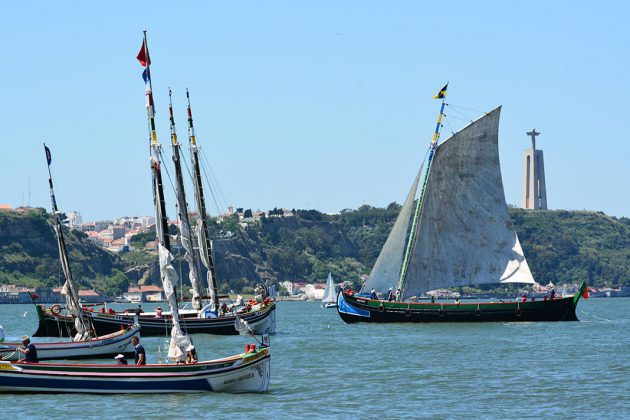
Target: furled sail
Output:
{"points": [[330, 294], [179, 340], [168, 275], [384, 274], [185, 230], [203, 234], [70, 288], [465, 236]]}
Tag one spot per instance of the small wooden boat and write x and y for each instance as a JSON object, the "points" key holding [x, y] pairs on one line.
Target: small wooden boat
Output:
{"points": [[104, 346], [247, 372]]}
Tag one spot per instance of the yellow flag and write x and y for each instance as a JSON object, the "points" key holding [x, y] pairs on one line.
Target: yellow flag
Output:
{"points": [[442, 93]]}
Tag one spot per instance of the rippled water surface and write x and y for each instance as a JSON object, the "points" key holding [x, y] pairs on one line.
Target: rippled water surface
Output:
{"points": [[322, 367]]}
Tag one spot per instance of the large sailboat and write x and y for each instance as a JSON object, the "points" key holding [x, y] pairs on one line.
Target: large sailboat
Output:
{"points": [[456, 233]]}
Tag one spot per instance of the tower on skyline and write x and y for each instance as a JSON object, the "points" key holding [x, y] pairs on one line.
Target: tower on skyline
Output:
{"points": [[534, 196]]}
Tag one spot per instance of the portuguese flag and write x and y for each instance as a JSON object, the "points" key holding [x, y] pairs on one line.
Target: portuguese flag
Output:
{"points": [[582, 291]]}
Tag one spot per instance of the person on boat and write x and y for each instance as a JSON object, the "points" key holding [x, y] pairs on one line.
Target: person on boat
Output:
{"points": [[29, 350], [524, 298], [373, 295], [191, 354], [223, 310], [397, 295], [390, 295], [432, 298], [121, 359], [1, 334], [552, 295], [457, 300], [158, 312], [140, 356], [139, 310]]}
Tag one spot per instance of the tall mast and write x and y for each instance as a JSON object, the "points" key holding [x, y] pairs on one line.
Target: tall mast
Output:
{"points": [[434, 142], [70, 288], [205, 244], [184, 220], [179, 341]]}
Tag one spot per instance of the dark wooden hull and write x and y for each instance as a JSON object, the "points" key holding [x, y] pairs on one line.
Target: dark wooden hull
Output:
{"points": [[260, 321], [359, 309]]}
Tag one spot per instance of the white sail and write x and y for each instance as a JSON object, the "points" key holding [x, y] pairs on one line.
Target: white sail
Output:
{"points": [[386, 270], [330, 294], [179, 340], [465, 235], [204, 254]]}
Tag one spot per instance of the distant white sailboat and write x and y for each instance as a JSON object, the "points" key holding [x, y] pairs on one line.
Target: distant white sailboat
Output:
{"points": [[330, 295]]}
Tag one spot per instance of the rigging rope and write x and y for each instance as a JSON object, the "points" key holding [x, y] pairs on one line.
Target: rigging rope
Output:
{"points": [[168, 174], [213, 182]]}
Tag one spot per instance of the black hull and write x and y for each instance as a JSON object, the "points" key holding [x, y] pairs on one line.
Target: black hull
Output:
{"points": [[62, 326], [352, 309]]}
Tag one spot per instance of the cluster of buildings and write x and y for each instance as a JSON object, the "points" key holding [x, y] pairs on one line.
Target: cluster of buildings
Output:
{"points": [[304, 291], [247, 216], [11, 293], [115, 236]]}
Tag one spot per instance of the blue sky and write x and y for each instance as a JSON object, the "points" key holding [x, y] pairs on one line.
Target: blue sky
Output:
{"points": [[323, 104]]}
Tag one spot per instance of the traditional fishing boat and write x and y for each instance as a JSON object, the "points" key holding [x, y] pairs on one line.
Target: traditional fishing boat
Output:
{"points": [[330, 296], [209, 318], [85, 343], [456, 233], [247, 372]]}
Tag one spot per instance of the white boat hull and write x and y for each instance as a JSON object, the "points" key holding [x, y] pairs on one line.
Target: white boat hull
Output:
{"points": [[109, 345], [249, 372]]}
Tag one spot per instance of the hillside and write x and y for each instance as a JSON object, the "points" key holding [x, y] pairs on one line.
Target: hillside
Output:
{"points": [[29, 255], [561, 246]]}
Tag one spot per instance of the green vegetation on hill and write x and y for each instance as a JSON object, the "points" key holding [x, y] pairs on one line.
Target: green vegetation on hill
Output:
{"points": [[29, 255], [560, 246]]}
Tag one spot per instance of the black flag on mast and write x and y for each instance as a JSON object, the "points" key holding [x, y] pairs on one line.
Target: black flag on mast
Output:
{"points": [[48, 155]]}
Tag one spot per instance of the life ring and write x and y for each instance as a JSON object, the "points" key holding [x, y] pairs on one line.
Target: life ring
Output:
{"points": [[478, 312], [381, 308], [441, 313], [55, 309], [518, 312], [408, 312]]}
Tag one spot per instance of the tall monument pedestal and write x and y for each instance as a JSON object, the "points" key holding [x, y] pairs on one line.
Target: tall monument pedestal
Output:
{"points": [[534, 196]]}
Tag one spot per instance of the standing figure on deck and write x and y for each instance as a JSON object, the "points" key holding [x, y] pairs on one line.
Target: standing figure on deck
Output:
{"points": [[29, 350], [140, 357]]}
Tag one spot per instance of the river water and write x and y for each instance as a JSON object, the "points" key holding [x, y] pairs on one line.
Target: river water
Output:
{"points": [[324, 368]]}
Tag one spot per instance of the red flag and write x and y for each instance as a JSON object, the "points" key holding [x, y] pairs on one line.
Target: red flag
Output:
{"points": [[585, 294], [143, 56]]}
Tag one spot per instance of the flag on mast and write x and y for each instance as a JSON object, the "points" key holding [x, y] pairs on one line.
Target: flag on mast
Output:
{"points": [[442, 93], [48, 155], [143, 56]]}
